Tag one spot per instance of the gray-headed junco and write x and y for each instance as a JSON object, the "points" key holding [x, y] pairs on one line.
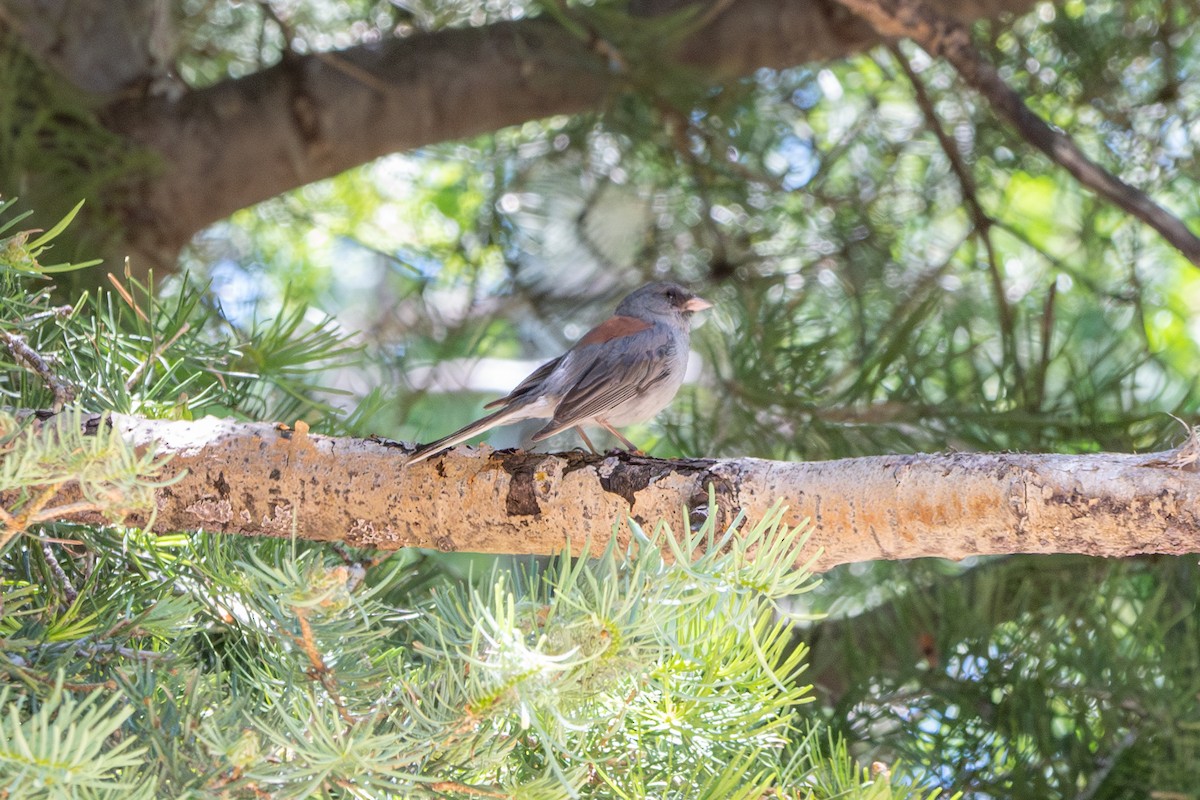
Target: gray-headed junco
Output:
{"points": [[623, 371]]}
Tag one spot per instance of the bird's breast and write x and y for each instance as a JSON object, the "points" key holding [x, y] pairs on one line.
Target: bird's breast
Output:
{"points": [[659, 381]]}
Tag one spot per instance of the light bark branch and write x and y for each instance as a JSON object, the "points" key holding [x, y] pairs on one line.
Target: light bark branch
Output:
{"points": [[255, 479]]}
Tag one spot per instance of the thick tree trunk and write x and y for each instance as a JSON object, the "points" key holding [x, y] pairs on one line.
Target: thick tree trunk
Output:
{"points": [[254, 479], [312, 116]]}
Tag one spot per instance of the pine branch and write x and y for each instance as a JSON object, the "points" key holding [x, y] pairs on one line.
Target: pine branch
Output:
{"points": [[28, 357], [256, 479], [941, 35]]}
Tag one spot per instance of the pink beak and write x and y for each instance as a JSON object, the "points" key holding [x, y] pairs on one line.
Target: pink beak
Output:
{"points": [[696, 304]]}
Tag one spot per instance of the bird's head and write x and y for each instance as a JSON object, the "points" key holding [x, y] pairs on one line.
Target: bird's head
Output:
{"points": [[663, 299]]}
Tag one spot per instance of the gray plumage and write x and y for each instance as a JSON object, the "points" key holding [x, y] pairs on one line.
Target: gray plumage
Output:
{"points": [[623, 371]]}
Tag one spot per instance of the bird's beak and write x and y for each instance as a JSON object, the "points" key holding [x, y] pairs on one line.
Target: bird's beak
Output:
{"points": [[696, 304]]}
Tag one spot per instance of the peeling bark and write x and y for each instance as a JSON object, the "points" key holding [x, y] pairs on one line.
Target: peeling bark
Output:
{"points": [[254, 479]]}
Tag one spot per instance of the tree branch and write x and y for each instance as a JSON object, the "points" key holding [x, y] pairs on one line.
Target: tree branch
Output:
{"points": [[29, 358], [312, 116], [941, 35], [980, 218], [101, 47], [253, 479]]}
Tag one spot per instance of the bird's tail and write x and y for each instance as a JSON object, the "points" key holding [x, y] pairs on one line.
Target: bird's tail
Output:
{"points": [[501, 417]]}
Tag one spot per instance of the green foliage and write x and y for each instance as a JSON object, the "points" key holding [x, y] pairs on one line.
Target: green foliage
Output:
{"points": [[599, 661], [862, 307], [197, 666], [63, 748], [1044, 675], [232, 668], [111, 477], [166, 355]]}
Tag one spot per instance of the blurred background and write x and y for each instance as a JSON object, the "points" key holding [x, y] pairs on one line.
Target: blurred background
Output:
{"points": [[865, 302]]}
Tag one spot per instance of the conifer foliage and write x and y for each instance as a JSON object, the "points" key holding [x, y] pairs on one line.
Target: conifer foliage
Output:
{"points": [[191, 665]]}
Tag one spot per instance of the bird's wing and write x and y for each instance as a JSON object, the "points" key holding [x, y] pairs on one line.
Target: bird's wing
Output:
{"points": [[612, 328], [530, 384], [526, 400], [611, 372]]}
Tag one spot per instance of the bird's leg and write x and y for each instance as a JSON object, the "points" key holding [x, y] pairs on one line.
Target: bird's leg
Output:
{"points": [[633, 448], [586, 440]]}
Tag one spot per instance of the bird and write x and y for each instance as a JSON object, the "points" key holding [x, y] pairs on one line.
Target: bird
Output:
{"points": [[621, 372]]}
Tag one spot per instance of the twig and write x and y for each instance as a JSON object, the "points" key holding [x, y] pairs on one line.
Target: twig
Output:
{"points": [[331, 59], [127, 297], [92, 650], [14, 524], [154, 356], [356, 564], [319, 671], [30, 677], [1105, 764], [982, 220], [946, 37], [57, 512], [462, 788], [35, 513], [8, 528], [1047, 333], [29, 358], [56, 311], [60, 574]]}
